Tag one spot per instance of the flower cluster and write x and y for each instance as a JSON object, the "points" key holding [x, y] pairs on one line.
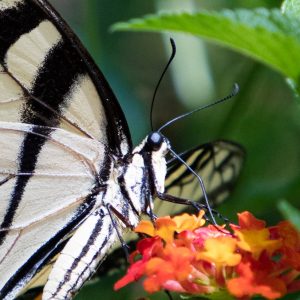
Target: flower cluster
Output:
{"points": [[182, 255]]}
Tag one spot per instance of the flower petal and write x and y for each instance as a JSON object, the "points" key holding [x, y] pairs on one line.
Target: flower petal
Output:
{"points": [[189, 222]]}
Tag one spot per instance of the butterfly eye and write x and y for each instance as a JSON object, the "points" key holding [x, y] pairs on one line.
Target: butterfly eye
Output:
{"points": [[155, 141]]}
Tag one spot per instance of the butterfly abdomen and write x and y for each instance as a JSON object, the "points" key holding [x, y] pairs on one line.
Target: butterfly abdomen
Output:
{"points": [[81, 256]]}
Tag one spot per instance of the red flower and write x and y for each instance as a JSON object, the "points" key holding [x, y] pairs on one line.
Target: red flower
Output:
{"points": [[256, 278], [184, 256]]}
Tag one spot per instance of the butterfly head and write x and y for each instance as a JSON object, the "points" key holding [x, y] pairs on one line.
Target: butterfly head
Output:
{"points": [[156, 142], [154, 151]]}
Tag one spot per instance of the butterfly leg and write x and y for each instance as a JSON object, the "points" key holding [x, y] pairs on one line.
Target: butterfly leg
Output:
{"points": [[197, 206], [149, 205], [112, 211], [173, 199]]}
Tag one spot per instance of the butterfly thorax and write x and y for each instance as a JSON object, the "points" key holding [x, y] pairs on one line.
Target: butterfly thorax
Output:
{"points": [[136, 178], [149, 162]]}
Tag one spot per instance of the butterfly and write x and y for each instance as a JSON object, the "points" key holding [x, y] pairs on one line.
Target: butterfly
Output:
{"points": [[71, 181]]}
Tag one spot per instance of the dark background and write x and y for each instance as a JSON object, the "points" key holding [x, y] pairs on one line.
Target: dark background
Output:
{"points": [[264, 117]]}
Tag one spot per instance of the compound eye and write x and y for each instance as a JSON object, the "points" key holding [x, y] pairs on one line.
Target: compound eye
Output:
{"points": [[155, 140]]}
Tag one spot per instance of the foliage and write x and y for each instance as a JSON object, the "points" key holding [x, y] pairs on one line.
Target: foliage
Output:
{"points": [[266, 35]]}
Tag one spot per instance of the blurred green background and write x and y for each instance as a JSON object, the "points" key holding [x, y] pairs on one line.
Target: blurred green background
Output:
{"points": [[264, 117]]}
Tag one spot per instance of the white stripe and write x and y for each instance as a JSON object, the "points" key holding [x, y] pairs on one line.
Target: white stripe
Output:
{"points": [[11, 99], [9, 89], [5, 190], [44, 196], [85, 109], [63, 154], [27, 54], [57, 284], [134, 180], [5, 4]]}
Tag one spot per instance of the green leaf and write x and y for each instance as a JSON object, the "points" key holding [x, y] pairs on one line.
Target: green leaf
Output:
{"points": [[265, 35], [290, 212]]}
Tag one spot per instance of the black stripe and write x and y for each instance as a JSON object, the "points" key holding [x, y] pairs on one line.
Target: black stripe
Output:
{"points": [[16, 21], [90, 242], [126, 197], [111, 228], [149, 175], [53, 83], [47, 251], [31, 146], [235, 151], [197, 164], [117, 127], [104, 173]]}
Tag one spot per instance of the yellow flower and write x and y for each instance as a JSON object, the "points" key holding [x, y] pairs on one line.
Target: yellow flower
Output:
{"points": [[220, 251], [256, 241]]}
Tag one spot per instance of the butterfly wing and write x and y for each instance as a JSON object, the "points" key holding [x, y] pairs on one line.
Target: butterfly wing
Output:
{"points": [[58, 116], [48, 78], [218, 163]]}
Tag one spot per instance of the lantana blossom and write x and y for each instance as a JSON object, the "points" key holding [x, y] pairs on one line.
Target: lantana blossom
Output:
{"points": [[182, 254]]}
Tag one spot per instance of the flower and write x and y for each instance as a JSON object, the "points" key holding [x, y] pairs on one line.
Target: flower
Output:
{"points": [[220, 251], [257, 277], [253, 236], [183, 255]]}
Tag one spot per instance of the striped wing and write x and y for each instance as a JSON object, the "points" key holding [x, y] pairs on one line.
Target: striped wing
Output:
{"points": [[48, 78], [39, 209], [218, 163], [58, 121]]}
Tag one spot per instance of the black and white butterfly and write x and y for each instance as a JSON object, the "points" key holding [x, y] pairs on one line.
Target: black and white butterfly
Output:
{"points": [[71, 181]]}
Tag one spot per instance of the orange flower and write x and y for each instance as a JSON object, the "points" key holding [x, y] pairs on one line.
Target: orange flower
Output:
{"points": [[257, 241], [166, 227], [253, 236], [173, 264], [185, 257], [248, 221], [147, 248], [172, 269], [256, 277], [134, 273], [290, 238], [189, 222], [163, 227]]}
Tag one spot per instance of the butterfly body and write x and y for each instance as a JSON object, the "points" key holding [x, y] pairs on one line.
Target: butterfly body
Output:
{"points": [[127, 195], [70, 180]]}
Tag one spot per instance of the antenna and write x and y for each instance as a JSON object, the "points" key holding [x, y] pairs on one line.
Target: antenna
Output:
{"points": [[175, 155], [161, 77], [234, 91]]}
